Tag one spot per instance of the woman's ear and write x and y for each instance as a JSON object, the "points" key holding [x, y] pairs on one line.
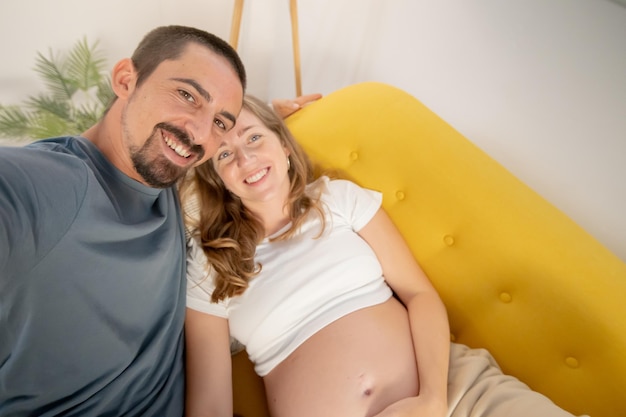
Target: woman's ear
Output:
{"points": [[123, 78]]}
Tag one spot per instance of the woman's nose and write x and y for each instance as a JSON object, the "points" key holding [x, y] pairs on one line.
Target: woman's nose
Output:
{"points": [[245, 155]]}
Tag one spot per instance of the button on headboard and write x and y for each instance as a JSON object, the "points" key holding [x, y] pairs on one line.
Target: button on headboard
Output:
{"points": [[518, 277]]}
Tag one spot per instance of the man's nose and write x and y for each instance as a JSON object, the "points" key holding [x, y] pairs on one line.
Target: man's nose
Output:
{"points": [[204, 132]]}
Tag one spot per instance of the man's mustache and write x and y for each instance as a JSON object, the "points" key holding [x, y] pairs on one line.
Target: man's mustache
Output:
{"points": [[183, 138]]}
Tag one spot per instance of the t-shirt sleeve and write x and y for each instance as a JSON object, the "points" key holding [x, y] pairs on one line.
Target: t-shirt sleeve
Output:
{"points": [[200, 284], [356, 204], [40, 193]]}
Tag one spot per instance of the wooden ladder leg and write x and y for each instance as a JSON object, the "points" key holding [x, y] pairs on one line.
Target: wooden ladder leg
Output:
{"points": [[236, 23], [293, 8]]}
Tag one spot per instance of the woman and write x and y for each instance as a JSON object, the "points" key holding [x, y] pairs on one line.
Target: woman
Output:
{"points": [[314, 279]]}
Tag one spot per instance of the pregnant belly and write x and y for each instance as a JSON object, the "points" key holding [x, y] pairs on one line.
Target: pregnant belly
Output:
{"points": [[355, 366]]}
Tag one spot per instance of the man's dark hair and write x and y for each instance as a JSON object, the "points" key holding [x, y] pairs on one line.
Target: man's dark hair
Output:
{"points": [[169, 42]]}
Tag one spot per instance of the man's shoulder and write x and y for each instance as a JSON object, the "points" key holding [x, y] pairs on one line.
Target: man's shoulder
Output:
{"points": [[41, 171], [48, 157], [63, 146]]}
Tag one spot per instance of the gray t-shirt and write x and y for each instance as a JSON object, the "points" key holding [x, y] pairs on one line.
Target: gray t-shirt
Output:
{"points": [[92, 287]]}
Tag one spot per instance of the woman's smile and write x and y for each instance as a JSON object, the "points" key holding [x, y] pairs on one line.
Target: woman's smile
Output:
{"points": [[252, 179]]}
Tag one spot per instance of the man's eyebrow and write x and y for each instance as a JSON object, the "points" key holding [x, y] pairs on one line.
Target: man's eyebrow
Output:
{"points": [[229, 116], [205, 94]]}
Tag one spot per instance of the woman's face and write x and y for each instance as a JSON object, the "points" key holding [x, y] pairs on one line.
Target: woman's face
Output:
{"points": [[252, 162]]}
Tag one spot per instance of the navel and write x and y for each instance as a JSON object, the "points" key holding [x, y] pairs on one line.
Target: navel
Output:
{"points": [[366, 385]]}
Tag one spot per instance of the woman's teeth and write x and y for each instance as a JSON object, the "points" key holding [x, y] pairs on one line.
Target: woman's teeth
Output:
{"points": [[256, 177]]}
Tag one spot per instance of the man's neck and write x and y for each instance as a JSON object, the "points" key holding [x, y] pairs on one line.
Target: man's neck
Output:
{"points": [[106, 135]]}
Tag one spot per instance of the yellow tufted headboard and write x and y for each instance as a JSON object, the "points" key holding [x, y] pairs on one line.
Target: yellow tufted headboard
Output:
{"points": [[518, 277]]}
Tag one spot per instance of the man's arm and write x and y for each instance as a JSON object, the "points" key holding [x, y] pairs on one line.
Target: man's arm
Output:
{"points": [[285, 107]]}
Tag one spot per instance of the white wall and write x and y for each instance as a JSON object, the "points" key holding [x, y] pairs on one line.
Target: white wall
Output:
{"points": [[539, 85]]}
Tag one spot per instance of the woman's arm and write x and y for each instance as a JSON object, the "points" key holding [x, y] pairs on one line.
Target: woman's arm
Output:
{"points": [[427, 315], [208, 366]]}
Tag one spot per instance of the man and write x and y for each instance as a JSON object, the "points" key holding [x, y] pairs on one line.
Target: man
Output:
{"points": [[92, 260]]}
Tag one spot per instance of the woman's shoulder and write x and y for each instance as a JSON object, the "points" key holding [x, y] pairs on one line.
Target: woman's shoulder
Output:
{"points": [[344, 195], [332, 186]]}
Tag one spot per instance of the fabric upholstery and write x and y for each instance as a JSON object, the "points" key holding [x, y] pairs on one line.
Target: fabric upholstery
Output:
{"points": [[518, 277]]}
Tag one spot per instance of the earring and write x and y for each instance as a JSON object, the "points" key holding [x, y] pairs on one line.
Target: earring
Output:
{"points": [[288, 164]]}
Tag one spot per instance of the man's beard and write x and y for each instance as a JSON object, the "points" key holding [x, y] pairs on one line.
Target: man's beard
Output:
{"points": [[158, 171]]}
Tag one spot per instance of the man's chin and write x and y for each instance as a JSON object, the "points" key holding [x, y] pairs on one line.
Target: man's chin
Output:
{"points": [[161, 177]]}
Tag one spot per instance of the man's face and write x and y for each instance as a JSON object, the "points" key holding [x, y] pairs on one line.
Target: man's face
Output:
{"points": [[175, 119]]}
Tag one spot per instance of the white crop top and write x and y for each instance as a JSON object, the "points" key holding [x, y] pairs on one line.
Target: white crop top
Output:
{"points": [[305, 283]]}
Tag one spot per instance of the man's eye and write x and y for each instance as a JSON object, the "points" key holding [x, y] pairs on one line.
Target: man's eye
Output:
{"points": [[220, 124], [186, 95]]}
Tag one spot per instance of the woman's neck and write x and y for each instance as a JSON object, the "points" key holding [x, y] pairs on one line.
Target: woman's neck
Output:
{"points": [[273, 216]]}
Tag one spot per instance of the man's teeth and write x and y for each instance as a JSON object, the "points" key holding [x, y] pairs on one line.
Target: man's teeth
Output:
{"points": [[177, 148], [254, 178]]}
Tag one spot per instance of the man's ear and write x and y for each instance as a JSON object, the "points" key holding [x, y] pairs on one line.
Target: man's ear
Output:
{"points": [[123, 78]]}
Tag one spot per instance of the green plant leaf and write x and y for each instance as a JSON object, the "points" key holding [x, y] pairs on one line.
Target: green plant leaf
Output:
{"points": [[104, 92], [52, 70], [86, 116], [85, 65], [79, 90], [46, 104], [15, 123], [47, 125]]}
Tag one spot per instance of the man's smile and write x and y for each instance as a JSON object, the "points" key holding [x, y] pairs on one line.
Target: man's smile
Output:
{"points": [[179, 142], [176, 147]]}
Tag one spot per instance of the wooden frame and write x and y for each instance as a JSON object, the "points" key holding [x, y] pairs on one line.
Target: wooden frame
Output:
{"points": [[293, 11]]}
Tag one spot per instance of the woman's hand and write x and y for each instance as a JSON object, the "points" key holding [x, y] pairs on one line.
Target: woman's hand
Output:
{"points": [[285, 107], [414, 407]]}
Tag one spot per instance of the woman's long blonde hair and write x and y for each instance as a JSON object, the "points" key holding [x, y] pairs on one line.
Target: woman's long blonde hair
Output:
{"points": [[227, 230]]}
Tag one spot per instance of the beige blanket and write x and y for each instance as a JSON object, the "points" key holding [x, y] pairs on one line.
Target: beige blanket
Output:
{"points": [[478, 388]]}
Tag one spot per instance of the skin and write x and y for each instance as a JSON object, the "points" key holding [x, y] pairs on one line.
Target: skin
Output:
{"points": [[286, 107], [170, 109], [387, 360], [252, 162]]}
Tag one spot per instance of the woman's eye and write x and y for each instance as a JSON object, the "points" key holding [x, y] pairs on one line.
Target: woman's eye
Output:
{"points": [[186, 95], [223, 155], [255, 138]]}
